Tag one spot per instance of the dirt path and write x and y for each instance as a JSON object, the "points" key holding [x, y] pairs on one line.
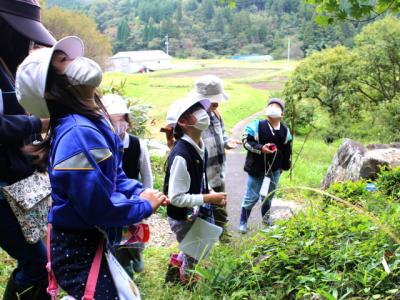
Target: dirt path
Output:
{"points": [[236, 183], [235, 187]]}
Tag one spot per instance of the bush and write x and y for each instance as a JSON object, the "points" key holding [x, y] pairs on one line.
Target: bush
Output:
{"points": [[201, 53], [354, 192], [324, 252], [138, 111], [332, 253], [389, 182]]}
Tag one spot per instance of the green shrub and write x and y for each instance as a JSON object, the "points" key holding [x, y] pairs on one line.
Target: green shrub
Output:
{"points": [[389, 182], [138, 111], [354, 192], [333, 253]]}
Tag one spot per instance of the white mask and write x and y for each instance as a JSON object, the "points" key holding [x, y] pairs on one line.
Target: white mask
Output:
{"points": [[273, 112], [84, 71], [121, 127], [203, 120]]}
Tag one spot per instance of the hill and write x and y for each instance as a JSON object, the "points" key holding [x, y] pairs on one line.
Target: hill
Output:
{"points": [[206, 28]]}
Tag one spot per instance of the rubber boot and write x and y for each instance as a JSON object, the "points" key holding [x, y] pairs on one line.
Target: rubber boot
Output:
{"points": [[33, 292], [244, 216]]}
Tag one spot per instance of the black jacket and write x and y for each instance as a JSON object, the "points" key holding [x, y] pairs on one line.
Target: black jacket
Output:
{"points": [[130, 160], [197, 171], [258, 163], [16, 130]]}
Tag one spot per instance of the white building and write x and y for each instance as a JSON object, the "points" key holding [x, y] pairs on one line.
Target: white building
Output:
{"points": [[137, 61]]}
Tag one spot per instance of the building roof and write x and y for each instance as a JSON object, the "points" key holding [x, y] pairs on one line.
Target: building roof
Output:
{"points": [[143, 55]]}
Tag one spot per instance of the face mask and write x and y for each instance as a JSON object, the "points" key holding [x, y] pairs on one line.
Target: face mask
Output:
{"points": [[120, 128], [84, 71], [203, 120], [273, 112]]}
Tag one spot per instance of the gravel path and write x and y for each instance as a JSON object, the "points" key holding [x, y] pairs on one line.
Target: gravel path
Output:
{"points": [[160, 232], [236, 185]]}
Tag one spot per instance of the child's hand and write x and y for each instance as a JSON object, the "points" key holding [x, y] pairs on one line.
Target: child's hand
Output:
{"points": [[156, 198], [215, 198], [267, 149]]}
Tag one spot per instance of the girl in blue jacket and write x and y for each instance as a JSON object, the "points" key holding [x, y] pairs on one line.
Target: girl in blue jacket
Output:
{"points": [[92, 197]]}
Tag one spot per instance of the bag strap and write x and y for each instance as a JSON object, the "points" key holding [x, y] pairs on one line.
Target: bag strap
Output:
{"points": [[93, 276], [94, 273], [52, 288]]}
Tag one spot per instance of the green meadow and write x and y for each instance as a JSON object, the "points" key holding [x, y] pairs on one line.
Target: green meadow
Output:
{"points": [[248, 85]]}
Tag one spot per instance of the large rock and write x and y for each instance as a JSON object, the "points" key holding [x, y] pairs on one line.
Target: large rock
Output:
{"points": [[353, 161]]}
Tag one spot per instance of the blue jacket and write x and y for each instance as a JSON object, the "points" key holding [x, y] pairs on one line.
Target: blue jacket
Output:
{"points": [[89, 187]]}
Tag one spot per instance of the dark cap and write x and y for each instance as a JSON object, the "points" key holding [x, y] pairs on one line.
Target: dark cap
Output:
{"points": [[278, 101], [24, 17]]}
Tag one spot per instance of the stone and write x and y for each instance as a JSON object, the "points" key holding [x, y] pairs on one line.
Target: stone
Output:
{"points": [[353, 161]]}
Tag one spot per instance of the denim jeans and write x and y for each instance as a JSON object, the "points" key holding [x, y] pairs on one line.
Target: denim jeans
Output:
{"points": [[31, 258], [252, 194]]}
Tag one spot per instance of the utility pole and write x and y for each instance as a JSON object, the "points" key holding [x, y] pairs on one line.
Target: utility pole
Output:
{"points": [[288, 51], [166, 44]]}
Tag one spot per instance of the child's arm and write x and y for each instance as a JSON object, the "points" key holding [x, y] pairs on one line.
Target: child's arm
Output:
{"points": [[179, 185], [250, 138]]}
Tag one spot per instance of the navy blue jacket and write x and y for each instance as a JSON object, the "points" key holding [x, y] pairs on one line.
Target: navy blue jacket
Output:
{"points": [[16, 130]]}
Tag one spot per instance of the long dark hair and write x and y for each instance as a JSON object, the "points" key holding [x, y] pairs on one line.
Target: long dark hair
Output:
{"points": [[62, 99]]}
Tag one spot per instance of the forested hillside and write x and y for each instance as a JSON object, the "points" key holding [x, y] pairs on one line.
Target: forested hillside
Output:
{"points": [[205, 28]]}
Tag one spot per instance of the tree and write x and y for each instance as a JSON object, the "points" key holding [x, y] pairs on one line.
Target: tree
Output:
{"points": [[378, 50], [327, 77], [179, 10], [123, 31], [207, 10], [355, 9], [63, 23]]}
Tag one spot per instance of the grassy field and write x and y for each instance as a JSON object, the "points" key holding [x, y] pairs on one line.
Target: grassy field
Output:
{"points": [[160, 89]]}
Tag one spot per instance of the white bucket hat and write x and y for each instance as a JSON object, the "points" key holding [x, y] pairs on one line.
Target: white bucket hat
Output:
{"points": [[30, 83], [209, 87], [114, 104], [177, 109]]}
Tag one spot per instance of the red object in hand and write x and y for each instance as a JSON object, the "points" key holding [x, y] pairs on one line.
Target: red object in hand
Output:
{"points": [[272, 147], [140, 233]]}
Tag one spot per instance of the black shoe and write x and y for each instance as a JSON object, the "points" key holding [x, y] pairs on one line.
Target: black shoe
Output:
{"points": [[30, 292], [172, 275]]}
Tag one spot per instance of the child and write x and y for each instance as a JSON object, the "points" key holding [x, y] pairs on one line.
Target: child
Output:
{"points": [[186, 180], [136, 165], [92, 197], [216, 141], [268, 143]]}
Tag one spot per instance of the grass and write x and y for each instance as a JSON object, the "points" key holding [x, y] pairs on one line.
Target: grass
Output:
{"points": [[163, 88], [312, 162], [6, 266]]}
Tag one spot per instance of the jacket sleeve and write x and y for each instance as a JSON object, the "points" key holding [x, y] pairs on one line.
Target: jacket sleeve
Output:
{"points": [[85, 171], [287, 152], [16, 128], [250, 138]]}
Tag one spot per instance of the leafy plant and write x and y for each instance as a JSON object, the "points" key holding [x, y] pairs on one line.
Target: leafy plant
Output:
{"points": [[354, 192], [389, 182], [138, 111]]}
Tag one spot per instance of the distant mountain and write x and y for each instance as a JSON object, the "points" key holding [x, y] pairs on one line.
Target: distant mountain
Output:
{"points": [[206, 28]]}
